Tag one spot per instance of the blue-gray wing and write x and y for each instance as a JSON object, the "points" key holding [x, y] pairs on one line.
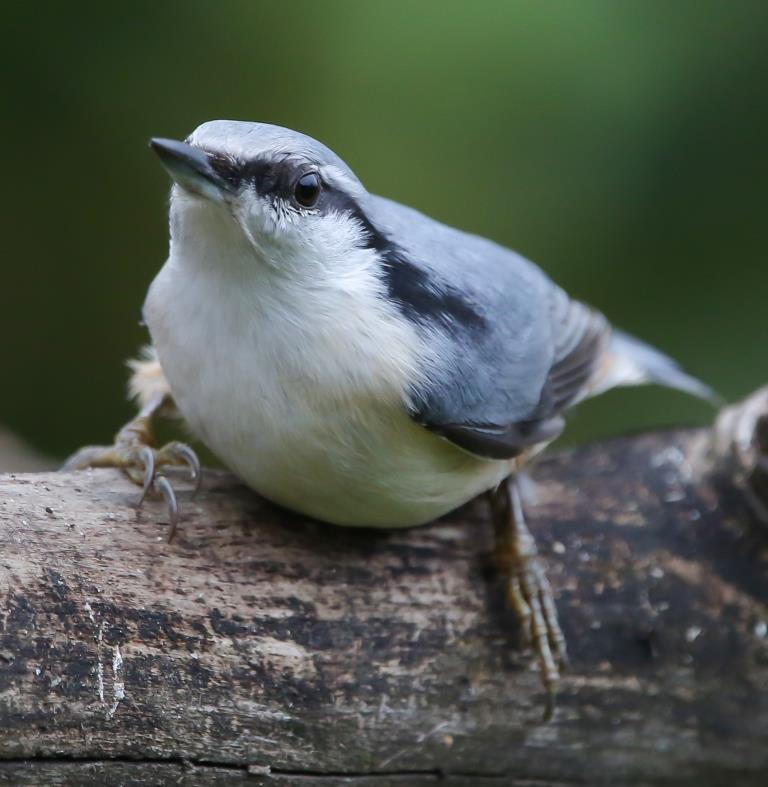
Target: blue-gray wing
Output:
{"points": [[512, 350]]}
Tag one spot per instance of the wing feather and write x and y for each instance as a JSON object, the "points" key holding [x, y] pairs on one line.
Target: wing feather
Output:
{"points": [[581, 337], [512, 350]]}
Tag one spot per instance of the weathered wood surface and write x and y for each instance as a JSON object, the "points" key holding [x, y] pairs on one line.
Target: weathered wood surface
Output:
{"points": [[259, 647]]}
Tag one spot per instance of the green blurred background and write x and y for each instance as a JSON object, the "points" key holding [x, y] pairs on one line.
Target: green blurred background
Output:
{"points": [[620, 145]]}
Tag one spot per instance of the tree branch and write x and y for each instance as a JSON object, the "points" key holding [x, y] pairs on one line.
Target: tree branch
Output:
{"points": [[260, 642]]}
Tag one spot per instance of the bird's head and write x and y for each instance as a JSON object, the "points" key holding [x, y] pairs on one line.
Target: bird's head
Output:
{"points": [[277, 194]]}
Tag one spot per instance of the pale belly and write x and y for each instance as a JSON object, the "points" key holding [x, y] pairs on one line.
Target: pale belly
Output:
{"points": [[267, 404], [382, 470]]}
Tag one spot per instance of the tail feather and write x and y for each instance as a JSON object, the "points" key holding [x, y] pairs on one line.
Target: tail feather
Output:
{"points": [[632, 362]]}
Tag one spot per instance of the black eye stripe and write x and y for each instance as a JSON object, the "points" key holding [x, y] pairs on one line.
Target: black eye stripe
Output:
{"points": [[274, 179], [277, 179], [226, 167], [268, 177]]}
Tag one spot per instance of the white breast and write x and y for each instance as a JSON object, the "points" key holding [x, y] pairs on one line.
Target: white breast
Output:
{"points": [[301, 388]]}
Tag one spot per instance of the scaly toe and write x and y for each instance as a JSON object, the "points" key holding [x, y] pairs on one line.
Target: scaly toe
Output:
{"points": [[543, 628], [95, 456], [142, 464], [520, 606]]}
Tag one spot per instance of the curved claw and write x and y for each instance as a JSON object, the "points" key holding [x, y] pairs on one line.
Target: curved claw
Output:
{"points": [[147, 458], [163, 485], [195, 473], [142, 463]]}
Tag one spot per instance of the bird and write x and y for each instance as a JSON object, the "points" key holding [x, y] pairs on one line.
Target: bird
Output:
{"points": [[354, 360]]}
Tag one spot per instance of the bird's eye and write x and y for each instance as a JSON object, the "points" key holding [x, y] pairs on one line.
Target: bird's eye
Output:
{"points": [[307, 189]]}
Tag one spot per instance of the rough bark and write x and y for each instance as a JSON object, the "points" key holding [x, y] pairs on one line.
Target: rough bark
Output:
{"points": [[262, 647]]}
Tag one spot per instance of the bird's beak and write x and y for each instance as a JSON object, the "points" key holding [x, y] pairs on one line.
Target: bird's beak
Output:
{"points": [[191, 168]]}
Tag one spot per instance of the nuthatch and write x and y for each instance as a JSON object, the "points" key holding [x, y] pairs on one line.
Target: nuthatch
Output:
{"points": [[355, 360]]}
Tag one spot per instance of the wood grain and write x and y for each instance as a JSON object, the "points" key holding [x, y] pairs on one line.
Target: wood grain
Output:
{"points": [[261, 647]]}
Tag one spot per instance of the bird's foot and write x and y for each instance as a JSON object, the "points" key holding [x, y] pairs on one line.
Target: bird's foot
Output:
{"points": [[135, 455], [530, 596], [527, 589]]}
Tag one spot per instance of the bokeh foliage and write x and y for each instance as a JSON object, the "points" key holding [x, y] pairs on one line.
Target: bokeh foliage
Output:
{"points": [[620, 145]]}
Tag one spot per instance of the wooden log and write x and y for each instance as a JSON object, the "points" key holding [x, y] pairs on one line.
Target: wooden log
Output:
{"points": [[260, 647]]}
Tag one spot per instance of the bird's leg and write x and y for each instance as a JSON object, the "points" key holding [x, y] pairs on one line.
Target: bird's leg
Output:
{"points": [[528, 591], [133, 450]]}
